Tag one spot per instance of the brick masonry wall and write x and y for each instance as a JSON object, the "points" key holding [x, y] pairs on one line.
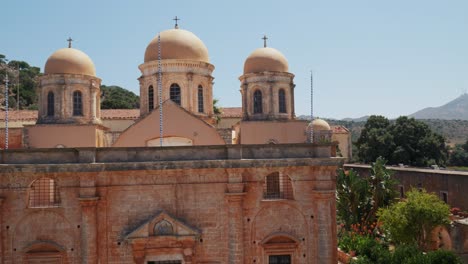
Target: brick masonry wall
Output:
{"points": [[224, 203]]}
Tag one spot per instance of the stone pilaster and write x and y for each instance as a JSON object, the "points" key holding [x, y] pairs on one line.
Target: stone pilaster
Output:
{"points": [[2, 250], [325, 227], [235, 197], [89, 237]]}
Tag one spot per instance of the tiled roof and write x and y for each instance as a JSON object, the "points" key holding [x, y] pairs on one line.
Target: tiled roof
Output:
{"points": [[31, 115], [120, 113], [21, 115], [231, 112], [339, 129]]}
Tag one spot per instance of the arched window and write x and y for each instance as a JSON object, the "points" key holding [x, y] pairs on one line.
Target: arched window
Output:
{"points": [[44, 193], [150, 98], [200, 99], [282, 101], [50, 104], [163, 228], [174, 93], [77, 103], [277, 186], [257, 101]]}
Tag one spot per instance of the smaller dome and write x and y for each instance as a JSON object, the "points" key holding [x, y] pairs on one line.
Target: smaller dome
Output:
{"points": [[71, 61], [266, 59], [320, 125]]}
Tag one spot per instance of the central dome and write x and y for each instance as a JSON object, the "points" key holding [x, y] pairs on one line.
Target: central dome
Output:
{"points": [[177, 44], [70, 61], [265, 59]]}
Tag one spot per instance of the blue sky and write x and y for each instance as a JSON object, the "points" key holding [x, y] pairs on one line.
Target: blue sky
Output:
{"points": [[368, 57]]}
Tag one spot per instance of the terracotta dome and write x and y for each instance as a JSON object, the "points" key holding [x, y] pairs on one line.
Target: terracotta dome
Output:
{"points": [[177, 44], [266, 59], [320, 125], [69, 60]]}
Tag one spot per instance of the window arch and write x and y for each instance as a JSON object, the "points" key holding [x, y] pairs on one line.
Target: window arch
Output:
{"points": [[150, 98], [77, 103], [277, 186], [174, 93], [163, 228], [200, 99], [50, 104], [282, 101], [44, 192], [257, 102]]}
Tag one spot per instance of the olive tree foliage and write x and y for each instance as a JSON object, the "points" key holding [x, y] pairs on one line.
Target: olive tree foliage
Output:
{"points": [[359, 198], [459, 155], [406, 140], [411, 221]]}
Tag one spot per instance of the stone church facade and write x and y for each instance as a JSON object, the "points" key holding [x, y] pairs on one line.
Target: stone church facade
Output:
{"points": [[71, 196]]}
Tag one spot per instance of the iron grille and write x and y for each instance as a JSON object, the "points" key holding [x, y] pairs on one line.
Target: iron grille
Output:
{"points": [[277, 186], [44, 193]]}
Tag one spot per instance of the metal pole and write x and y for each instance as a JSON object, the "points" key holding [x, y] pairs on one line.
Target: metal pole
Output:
{"points": [[311, 107], [6, 110], [17, 87], [160, 92]]}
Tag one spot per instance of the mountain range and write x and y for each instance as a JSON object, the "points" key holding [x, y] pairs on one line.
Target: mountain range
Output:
{"points": [[454, 110]]}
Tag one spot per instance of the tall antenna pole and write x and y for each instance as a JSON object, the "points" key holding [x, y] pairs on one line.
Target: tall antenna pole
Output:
{"points": [[311, 107], [6, 110], [17, 87], [160, 92]]}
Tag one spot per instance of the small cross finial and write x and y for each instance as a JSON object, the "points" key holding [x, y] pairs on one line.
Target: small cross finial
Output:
{"points": [[176, 19], [69, 41], [264, 41]]}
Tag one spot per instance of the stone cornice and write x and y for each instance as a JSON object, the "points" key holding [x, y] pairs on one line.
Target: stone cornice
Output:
{"points": [[177, 66], [267, 76]]}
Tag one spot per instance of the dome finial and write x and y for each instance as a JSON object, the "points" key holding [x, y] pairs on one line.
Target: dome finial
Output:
{"points": [[264, 41], [176, 19], [69, 42]]}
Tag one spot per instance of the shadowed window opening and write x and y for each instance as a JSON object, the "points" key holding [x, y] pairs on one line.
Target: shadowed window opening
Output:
{"points": [[257, 100], [279, 259], [50, 104], [150, 98], [277, 186], [44, 193], [282, 101], [200, 99], [175, 93], [77, 103]]}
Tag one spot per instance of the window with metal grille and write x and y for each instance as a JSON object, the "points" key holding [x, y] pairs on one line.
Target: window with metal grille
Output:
{"points": [[200, 99], [279, 259], [150, 98], [77, 103], [282, 101], [277, 186], [174, 93], [50, 104], [401, 189], [257, 100], [165, 262], [44, 193]]}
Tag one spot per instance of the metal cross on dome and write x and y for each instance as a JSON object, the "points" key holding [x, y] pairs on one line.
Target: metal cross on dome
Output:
{"points": [[69, 41], [264, 41], [176, 19]]}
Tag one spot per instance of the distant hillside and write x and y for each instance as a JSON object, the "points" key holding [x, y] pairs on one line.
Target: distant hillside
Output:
{"points": [[454, 131], [456, 109]]}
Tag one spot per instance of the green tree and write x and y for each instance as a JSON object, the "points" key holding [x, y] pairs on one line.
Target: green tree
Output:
{"points": [[359, 198], [375, 139], [459, 156], [405, 141], [416, 144], [412, 220], [115, 97]]}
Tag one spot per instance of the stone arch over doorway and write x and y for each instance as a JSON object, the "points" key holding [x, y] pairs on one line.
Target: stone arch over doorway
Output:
{"points": [[45, 252]]}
